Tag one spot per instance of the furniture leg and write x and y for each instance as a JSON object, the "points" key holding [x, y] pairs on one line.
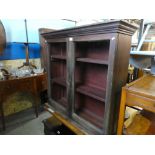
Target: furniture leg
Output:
{"points": [[121, 112], [2, 116], [36, 107], [36, 100]]}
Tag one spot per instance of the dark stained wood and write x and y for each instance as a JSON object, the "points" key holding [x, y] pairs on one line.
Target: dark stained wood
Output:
{"points": [[70, 76], [2, 113], [58, 69], [58, 57], [57, 72], [93, 49], [91, 117], [32, 84], [63, 101], [93, 92], [2, 38], [96, 57], [92, 75], [117, 78], [84, 124], [115, 26], [43, 47], [49, 86], [91, 60], [60, 81]]}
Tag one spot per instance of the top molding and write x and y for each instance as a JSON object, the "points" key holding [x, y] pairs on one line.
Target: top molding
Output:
{"points": [[115, 26]]}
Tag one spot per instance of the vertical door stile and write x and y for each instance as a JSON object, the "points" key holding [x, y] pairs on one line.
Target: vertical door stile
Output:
{"points": [[107, 127], [49, 70], [70, 76]]}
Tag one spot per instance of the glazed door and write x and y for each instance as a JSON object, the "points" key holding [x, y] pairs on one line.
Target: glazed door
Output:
{"points": [[57, 68], [88, 59]]}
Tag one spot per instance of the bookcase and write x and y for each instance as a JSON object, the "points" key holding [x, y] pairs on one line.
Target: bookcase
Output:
{"points": [[87, 67], [43, 51]]}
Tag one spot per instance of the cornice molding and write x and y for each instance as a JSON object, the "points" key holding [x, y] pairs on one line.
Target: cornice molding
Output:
{"points": [[115, 26]]}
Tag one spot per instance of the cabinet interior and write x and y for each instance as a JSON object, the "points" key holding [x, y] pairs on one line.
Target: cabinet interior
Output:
{"points": [[91, 69], [58, 72]]}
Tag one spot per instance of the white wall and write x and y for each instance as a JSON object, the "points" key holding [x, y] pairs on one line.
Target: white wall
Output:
{"points": [[15, 28], [88, 21]]}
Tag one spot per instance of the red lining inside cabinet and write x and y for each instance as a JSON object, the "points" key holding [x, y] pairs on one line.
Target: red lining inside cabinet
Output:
{"points": [[58, 72], [58, 55], [58, 49], [91, 69], [58, 94], [92, 75], [96, 49], [58, 69], [90, 109]]}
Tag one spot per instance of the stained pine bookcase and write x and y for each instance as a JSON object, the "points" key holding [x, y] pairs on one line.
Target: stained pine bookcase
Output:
{"points": [[87, 67]]}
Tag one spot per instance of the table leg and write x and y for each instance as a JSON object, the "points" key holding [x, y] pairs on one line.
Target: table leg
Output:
{"points": [[121, 112], [2, 116], [36, 100], [36, 107]]}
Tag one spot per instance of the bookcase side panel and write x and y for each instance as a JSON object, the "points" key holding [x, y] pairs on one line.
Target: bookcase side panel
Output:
{"points": [[117, 77]]}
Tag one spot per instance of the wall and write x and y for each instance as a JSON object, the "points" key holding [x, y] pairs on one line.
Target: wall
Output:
{"points": [[14, 53], [15, 28]]}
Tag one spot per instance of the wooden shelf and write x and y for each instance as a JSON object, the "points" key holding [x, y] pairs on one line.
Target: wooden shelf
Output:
{"points": [[60, 81], [61, 57], [63, 101], [98, 94], [91, 60], [92, 118]]}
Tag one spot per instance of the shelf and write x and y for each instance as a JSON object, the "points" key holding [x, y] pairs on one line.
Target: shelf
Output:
{"points": [[61, 57], [63, 101], [92, 118], [60, 81], [94, 61], [98, 94]]}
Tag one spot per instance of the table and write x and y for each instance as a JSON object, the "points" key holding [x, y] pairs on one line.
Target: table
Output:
{"points": [[32, 84], [139, 93]]}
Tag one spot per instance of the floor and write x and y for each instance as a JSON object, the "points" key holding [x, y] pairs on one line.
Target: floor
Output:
{"points": [[25, 123]]}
